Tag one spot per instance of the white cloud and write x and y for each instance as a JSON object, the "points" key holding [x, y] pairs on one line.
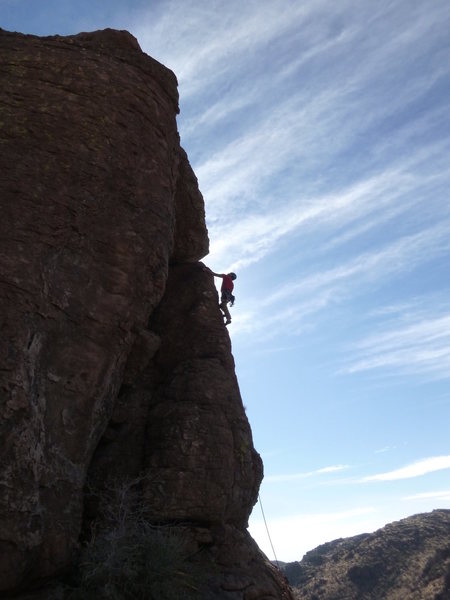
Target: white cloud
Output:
{"points": [[219, 111], [210, 46], [294, 535], [443, 495], [385, 449], [205, 43], [269, 180], [305, 475], [417, 345], [307, 128], [252, 232], [291, 307], [404, 253], [333, 469], [416, 469], [294, 318]]}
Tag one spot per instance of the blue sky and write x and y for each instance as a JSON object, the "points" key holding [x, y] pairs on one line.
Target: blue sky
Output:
{"points": [[319, 132]]}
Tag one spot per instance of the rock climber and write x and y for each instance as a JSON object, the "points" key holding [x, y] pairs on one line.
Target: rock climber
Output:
{"points": [[226, 290]]}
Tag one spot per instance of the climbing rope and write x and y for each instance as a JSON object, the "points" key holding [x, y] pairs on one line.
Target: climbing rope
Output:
{"points": [[267, 529]]}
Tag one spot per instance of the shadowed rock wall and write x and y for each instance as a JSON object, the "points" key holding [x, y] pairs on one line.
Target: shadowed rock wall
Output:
{"points": [[114, 357]]}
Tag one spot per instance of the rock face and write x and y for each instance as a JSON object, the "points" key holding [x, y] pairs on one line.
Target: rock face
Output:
{"points": [[406, 559], [114, 358]]}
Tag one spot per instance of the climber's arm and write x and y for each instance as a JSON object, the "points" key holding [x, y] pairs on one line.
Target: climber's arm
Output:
{"points": [[215, 274]]}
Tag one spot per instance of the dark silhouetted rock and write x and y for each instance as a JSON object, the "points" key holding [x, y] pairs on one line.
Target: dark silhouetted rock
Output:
{"points": [[114, 359]]}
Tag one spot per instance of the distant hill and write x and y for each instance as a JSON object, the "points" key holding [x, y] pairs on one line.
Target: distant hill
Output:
{"points": [[405, 560]]}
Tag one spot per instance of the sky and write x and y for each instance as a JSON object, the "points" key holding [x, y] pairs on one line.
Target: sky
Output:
{"points": [[319, 133]]}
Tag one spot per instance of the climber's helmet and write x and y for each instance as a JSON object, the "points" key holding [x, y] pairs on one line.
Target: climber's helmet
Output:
{"points": [[232, 275]]}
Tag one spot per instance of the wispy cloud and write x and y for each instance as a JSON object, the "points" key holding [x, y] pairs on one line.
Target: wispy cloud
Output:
{"points": [[305, 475], [339, 216], [405, 252], [442, 495], [204, 44], [425, 342], [327, 149], [416, 469], [416, 345], [385, 449], [293, 535], [333, 469]]}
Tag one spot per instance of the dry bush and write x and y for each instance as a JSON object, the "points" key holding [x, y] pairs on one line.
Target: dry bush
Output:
{"points": [[129, 557]]}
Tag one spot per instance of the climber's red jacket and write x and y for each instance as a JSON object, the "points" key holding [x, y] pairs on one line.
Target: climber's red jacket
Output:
{"points": [[227, 284]]}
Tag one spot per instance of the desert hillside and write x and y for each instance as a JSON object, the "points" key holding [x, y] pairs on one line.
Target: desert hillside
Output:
{"points": [[405, 560]]}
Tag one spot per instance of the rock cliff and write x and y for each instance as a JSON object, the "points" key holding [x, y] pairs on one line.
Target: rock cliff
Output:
{"points": [[406, 559], [115, 362]]}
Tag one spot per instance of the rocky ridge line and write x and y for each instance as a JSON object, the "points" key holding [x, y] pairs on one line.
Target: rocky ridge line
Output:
{"points": [[405, 559]]}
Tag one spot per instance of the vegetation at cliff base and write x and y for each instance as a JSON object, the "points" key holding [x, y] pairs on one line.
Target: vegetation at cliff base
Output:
{"points": [[130, 558]]}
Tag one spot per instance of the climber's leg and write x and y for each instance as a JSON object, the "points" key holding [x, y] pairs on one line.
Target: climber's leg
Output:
{"points": [[226, 312]]}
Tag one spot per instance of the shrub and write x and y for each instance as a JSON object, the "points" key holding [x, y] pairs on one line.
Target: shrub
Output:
{"points": [[129, 558]]}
